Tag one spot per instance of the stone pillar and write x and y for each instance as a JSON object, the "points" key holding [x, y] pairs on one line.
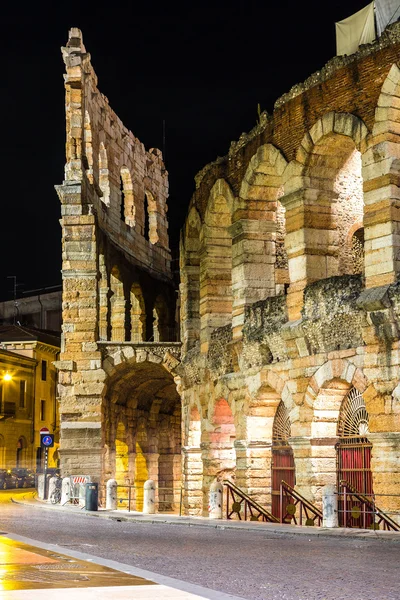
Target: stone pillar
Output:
{"points": [[330, 506], [303, 465], [311, 242], [216, 457], [193, 481], [253, 470], [149, 498], [253, 266], [189, 291], [112, 496], [385, 461]]}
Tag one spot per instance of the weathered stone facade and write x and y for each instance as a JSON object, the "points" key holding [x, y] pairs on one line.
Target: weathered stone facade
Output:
{"points": [[290, 286], [120, 411]]}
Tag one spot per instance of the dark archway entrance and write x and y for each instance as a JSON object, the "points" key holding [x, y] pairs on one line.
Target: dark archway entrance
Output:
{"points": [[354, 457], [283, 468]]}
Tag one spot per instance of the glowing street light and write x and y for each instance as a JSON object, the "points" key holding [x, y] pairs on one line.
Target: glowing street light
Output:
{"points": [[7, 376]]}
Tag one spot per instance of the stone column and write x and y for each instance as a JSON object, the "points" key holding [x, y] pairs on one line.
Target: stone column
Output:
{"points": [[385, 461], [192, 481], [303, 466], [311, 242], [253, 470], [253, 266]]}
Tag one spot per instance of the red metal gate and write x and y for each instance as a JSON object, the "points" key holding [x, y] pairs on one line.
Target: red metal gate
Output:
{"points": [[354, 466], [282, 470]]}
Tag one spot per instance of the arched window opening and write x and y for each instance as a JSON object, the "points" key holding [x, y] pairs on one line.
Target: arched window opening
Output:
{"points": [[150, 218], [138, 314], [283, 468], [354, 457], [88, 149], [21, 453], [357, 251], [117, 305], [104, 182], [128, 213]]}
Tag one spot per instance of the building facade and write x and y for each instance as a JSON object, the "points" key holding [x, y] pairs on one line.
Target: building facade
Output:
{"points": [[290, 293], [28, 397]]}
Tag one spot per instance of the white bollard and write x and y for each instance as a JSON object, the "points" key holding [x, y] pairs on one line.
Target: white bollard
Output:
{"points": [[330, 507], [111, 495], [52, 486], [65, 491], [149, 497], [215, 500]]}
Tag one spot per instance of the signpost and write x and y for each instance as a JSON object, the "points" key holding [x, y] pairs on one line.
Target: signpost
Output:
{"points": [[46, 442]]}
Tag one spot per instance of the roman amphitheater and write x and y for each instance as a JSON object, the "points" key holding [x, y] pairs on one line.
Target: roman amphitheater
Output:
{"points": [[279, 357]]}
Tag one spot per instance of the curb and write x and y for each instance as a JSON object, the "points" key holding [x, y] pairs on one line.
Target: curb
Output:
{"points": [[263, 528]]}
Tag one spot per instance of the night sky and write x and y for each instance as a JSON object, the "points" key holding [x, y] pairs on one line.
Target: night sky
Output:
{"points": [[202, 68]]}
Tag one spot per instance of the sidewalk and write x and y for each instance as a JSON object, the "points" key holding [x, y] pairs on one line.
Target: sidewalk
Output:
{"points": [[260, 527]]}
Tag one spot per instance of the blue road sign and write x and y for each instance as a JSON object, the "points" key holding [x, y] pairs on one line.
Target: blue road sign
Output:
{"points": [[47, 440]]}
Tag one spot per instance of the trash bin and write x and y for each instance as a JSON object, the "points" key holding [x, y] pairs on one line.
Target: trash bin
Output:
{"points": [[91, 496]]}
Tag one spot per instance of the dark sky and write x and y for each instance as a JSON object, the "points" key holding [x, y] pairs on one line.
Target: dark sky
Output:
{"points": [[202, 68]]}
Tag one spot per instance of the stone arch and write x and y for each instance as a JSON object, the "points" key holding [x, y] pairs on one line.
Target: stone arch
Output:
{"points": [[104, 181], [88, 147], [189, 259], [324, 192], [138, 314], [117, 306], [216, 262], [128, 209]]}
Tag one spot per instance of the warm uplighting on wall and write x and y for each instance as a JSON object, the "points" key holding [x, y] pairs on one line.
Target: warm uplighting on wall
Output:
{"points": [[7, 376]]}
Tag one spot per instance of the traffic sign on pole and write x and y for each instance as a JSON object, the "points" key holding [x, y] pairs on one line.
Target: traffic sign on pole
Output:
{"points": [[44, 430], [47, 440]]}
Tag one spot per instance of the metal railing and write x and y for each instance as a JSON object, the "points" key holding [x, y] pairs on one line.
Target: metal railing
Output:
{"points": [[238, 501], [290, 499], [359, 510]]}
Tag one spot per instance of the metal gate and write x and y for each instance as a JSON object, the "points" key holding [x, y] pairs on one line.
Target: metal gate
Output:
{"points": [[354, 459], [282, 467]]}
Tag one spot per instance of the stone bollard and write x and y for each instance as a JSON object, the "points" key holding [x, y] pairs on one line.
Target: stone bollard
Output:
{"points": [[149, 497], [65, 491], [330, 507], [111, 495], [215, 500], [52, 486]]}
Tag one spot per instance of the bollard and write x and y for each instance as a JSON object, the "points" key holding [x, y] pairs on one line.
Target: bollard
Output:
{"points": [[149, 499], [65, 491], [52, 486], [215, 501], [330, 507], [111, 495], [91, 496]]}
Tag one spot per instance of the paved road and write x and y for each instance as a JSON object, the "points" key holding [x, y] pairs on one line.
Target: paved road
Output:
{"points": [[252, 565]]}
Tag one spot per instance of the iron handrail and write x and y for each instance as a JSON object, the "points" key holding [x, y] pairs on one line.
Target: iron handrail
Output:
{"points": [[251, 507], [350, 490], [311, 512]]}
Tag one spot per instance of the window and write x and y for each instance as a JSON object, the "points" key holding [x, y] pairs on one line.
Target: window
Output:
{"points": [[43, 410], [44, 370], [22, 392]]}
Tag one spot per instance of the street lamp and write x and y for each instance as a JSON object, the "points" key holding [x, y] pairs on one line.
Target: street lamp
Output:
{"points": [[7, 376]]}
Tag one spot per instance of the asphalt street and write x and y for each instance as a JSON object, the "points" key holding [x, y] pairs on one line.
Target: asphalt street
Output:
{"points": [[252, 565]]}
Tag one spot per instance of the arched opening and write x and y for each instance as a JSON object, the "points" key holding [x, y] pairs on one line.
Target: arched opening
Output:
{"points": [[128, 212], [104, 182], [161, 329], [354, 456], [282, 465], [150, 231], [2, 453], [334, 173], [88, 148], [143, 396], [219, 460], [117, 305], [138, 314], [357, 251], [21, 456]]}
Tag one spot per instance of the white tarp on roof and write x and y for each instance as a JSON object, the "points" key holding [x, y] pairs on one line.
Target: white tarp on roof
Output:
{"points": [[387, 11], [355, 30]]}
